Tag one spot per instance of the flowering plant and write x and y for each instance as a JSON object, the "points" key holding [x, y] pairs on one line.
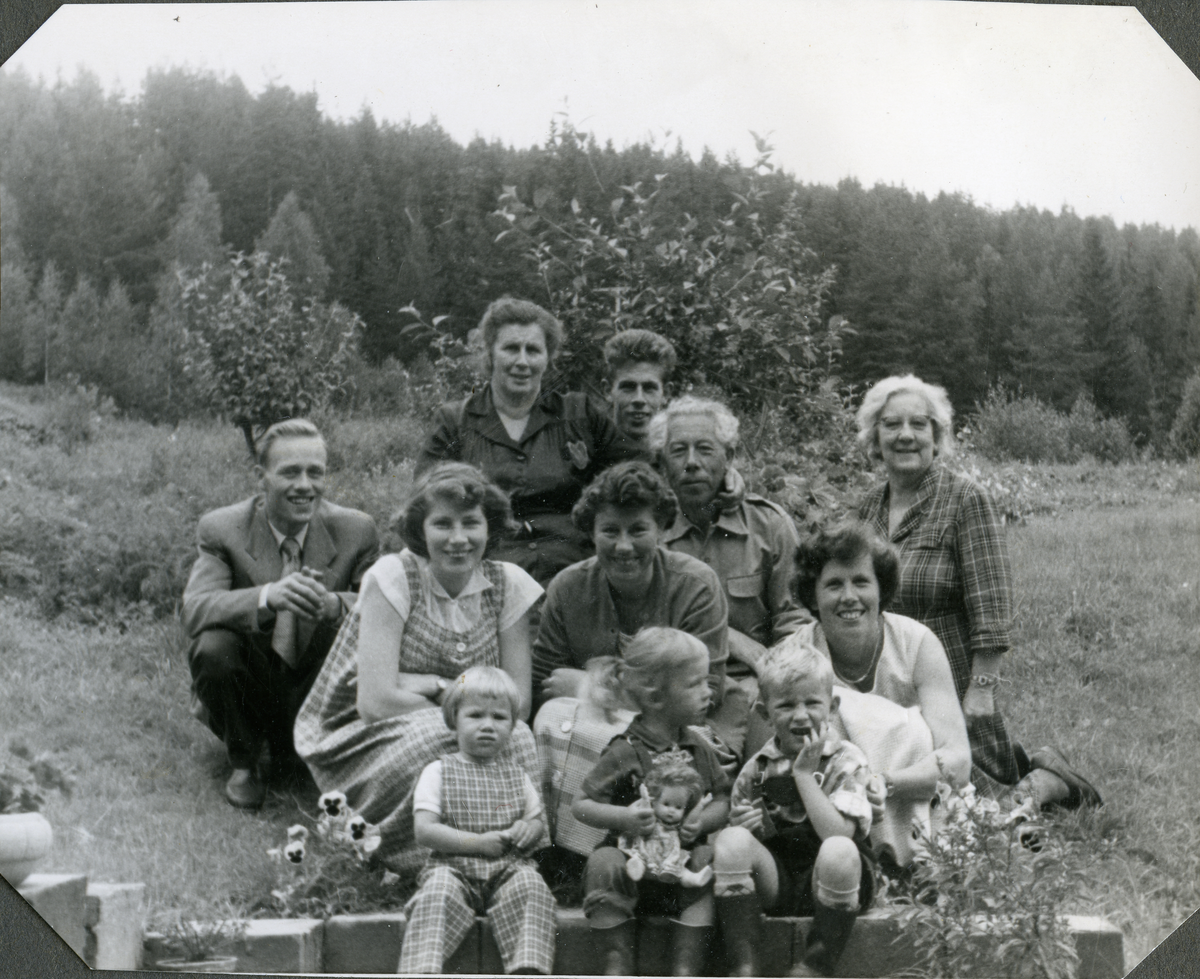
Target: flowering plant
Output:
{"points": [[987, 893], [22, 783], [330, 868]]}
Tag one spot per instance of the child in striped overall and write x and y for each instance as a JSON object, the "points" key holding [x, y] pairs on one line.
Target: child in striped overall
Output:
{"points": [[482, 817]]}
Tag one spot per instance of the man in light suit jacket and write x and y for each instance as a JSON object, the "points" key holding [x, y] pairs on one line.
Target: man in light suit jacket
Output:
{"points": [[275, 576]]}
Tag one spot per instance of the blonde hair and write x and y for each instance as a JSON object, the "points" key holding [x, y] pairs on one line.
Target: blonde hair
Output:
{"points": [[643, 671], [484, 682], [941, 413], [785, 668]]}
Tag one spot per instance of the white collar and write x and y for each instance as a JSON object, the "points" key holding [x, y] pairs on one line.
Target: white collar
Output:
{"points": [[477, 583], [280, 537]]}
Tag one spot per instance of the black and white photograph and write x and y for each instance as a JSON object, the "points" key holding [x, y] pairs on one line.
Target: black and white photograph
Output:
{"points": [[600, 488]]}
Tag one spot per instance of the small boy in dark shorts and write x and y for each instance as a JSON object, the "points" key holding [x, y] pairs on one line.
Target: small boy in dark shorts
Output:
{"points": [[799, 819]]}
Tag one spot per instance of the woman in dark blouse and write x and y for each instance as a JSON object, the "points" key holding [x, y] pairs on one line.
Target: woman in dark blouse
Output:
{"points": [[542, 448]]}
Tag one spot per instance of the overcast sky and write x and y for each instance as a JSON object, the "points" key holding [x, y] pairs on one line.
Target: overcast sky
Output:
{"points": [[1009, 103]]}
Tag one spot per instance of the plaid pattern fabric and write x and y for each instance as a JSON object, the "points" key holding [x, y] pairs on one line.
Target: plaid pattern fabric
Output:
{"points": [[766, 781], [992, 755], [570, 739], [431, 648], [377, 765], [956, 579], [479, 799], [440, 914], [954, 570]]}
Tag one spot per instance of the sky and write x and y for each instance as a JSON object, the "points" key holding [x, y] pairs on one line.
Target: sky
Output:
{"points": [[1032, 104]]}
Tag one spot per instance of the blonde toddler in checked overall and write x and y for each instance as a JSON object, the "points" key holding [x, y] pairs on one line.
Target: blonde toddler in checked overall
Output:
{"points": [[482, 817]]}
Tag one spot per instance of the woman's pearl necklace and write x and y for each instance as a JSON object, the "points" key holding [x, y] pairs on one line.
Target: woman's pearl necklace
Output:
{"points": [[867, 672]]}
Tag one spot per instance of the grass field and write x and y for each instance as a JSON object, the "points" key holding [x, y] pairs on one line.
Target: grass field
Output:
{"points": [[1105, 667]]}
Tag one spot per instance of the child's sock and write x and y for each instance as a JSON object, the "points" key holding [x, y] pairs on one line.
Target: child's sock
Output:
{"points": [[732, 883], [846, 900]]}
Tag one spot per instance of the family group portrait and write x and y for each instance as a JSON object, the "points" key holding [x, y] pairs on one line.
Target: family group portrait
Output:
{"points": [[626, 490]]}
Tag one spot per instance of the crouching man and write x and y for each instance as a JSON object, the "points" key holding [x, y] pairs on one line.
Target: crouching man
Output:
{"points": [[275, 575]]}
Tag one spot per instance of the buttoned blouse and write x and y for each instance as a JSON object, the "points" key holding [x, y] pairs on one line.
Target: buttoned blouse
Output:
{"points": [[536, 470], [386, 581]]}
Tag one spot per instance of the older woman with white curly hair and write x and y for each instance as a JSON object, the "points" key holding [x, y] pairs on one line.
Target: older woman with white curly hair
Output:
{"points": [[954, 569]]}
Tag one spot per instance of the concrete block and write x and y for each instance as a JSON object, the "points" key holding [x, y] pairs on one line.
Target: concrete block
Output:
{"points": [[61, 899], [465, 961], [1100, 946], [653, 954], [281, 945], [114, 915], [574, 951], [363, 943], [873, 949], [778, 938]]}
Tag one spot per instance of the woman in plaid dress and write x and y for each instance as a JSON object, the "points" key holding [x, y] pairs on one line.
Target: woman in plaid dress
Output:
{"points": [[954, 572], [372, 720]]}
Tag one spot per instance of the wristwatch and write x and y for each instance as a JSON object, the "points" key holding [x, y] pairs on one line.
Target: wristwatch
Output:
{"points": [[985, 679]]}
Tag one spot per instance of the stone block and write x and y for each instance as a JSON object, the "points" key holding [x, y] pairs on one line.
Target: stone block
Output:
{"points": [[114, 917], [1100, 946], [281, 945], [61, 899], [574, 951], [873, 949], [653, 955], [363, 943]]}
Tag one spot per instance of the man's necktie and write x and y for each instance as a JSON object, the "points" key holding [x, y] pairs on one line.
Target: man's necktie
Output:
{"points": [[283, 640]]}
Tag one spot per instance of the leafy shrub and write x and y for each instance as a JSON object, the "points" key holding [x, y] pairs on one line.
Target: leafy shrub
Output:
{"points": [[739, 295], [1021, 428], [76, 415], [261, 354], [1106, 439], [1185, 430], [988, 891]]}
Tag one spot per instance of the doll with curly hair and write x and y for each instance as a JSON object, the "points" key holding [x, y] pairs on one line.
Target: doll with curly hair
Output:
{"points": [[671, 789]]}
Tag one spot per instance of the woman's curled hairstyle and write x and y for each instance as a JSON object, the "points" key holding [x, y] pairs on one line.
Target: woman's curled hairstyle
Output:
{"points": [[941, 413], [507, 311], [845, 541], [626, 486], [463, 487]]}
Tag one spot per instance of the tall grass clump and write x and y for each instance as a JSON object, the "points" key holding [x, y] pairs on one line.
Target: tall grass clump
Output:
{"points": [[1022, 428]]}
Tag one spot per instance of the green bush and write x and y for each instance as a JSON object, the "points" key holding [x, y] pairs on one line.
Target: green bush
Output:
{"points": [[1106, 439], [1185, 430], [1022, 428]]}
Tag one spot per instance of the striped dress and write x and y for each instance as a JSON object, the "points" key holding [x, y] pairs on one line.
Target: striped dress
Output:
{"points": [[377, 764]]}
